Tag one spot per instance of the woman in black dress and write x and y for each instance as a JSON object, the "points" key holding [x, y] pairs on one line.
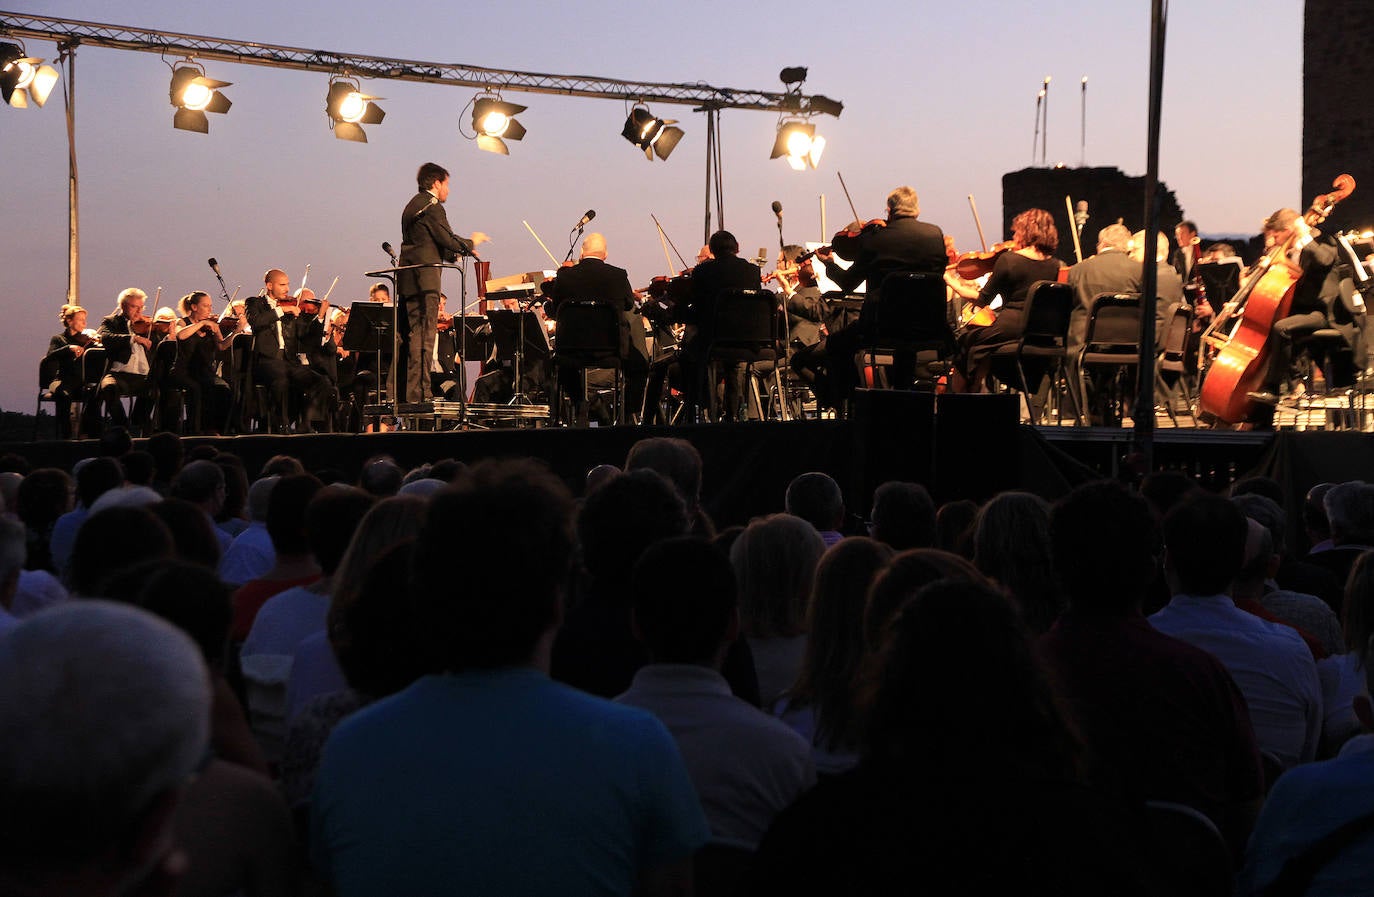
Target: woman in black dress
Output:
{"points": [[1035, 238], [61, 368]]}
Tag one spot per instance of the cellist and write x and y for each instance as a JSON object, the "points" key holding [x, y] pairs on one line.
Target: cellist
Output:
{"points": [[1316, 289]]}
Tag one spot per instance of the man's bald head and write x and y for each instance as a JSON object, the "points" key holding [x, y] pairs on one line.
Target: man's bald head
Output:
{"points": [[595, 246], [272, 274]]}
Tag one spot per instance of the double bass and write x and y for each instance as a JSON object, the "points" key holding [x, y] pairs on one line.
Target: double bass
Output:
{"points": [[1242, 362]]}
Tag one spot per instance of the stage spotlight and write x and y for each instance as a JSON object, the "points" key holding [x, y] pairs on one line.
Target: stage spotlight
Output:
{"points": [[24, 78], [798, 141], [656, 136], [193, 95], [794, 74], [493, 122], [349, 109]]}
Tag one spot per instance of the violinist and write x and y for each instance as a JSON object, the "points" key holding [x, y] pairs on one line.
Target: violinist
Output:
{"points": [[806, 317], [198, 340], [281, 343], [1189, 251], [379, 292], [1314, 294], [61, 367], [128, 355], [445, 373], [1034, 238], [898, 243]]}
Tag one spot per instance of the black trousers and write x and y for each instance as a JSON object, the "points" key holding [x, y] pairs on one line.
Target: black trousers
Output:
{"points": [[286, 380]]}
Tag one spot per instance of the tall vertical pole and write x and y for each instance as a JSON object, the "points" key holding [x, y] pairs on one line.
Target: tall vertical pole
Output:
{"points": [[67, 54], [1045, 129], [1083, 124], [1144, 414], [710, 169]]}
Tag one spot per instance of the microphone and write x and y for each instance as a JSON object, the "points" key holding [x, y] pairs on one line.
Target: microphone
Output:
{"points": [[777, 210], [433, 201], [214, 266], [1080, 214], [591, 213], [386, 247]]}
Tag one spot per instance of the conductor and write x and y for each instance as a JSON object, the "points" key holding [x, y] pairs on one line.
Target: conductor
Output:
{"points": [[426, 239]]}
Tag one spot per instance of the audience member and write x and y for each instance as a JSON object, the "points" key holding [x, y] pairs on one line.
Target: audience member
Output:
{"points": [[1204, 540], [1165, 717], [292, 614], [233, 516], [971, 779], [12, 552], [1314, 519], [775, 564], [115, 442], [294, 565], [1350, 511], [281, 466], [112, 540], [1011, 546], [167, 451], [250, 555], [1293, 587], [1343, 674], [381, 477], [816, 498], [106, 716], [680, 463], [194, 535], [905, 575], [820, 705], [1315, 834], [138, 468], [43, 497], [746, 766], [531, 787], [1248, 585], [954, 527], [596, 650], [202, 484], [315, 669], [903, 516], [94, 477]]}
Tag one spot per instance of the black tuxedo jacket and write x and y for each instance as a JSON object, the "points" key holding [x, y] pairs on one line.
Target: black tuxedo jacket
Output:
{"points": [[116, 338], [299, 333], [708, 279], [905, 244], [1112, 271], [426, 239], [593, 280]]}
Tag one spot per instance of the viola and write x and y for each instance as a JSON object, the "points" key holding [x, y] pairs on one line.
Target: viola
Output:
{"points": [[445, 323], [852, 231]]}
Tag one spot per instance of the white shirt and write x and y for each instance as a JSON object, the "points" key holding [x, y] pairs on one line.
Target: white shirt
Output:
{"points": [[249, 556], [1270, 663], [137, 363], [285, 620], [747, 766]]}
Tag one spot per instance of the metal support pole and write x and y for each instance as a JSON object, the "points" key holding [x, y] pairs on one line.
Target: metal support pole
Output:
{"points": [[1144, 415]]}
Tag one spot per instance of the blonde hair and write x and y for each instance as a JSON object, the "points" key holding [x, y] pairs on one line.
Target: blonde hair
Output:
{"points": [[69, 311]]}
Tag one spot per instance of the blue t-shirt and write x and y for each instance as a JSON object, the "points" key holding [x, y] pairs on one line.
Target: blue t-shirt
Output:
{"points": [[500, 782]]}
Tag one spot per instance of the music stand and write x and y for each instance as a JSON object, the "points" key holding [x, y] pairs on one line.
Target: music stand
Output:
{"points": [[370, 329], [390, 274], [515, 334], [1221, 279]]}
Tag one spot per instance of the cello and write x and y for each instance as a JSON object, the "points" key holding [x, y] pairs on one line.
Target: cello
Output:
{"points": [[1241, 365]]}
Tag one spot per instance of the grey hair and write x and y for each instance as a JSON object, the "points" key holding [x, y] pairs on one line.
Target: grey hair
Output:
{"points": [[259, 496], [126, 497], [1350, 508], [106, 708]]}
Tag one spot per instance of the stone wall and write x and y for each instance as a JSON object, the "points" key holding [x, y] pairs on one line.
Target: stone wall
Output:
{"points": [[1338, 106]]}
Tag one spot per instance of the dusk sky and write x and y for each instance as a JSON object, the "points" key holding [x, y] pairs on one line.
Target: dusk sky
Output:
{"points": [[941, 97]]}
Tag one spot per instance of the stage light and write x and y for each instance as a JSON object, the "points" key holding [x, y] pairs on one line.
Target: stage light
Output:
{"points": [[656, 136], [798, 141], [349, 109], [794, 74], [24, 78], [493, 123], [193, 95]]}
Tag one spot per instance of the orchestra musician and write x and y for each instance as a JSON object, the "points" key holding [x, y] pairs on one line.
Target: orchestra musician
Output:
{"points": [[426, 239], [128, 357], [445, 373], [806, 317], [282, 339], [379, 292], [61, 367], [1034, 238], [723, 271], [1189, 250], [1110, 270], [903, 244], [592, 279], [1313, 296], [199, 340]]}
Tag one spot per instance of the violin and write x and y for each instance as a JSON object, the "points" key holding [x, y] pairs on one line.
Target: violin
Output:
{"points": [[445, 323], [973, 265], [852, 231], [147, 327]]}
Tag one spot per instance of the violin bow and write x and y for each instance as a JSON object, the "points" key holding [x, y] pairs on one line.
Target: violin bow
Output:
{"points": [[540, 242], [1077, 245], [665, 236], [977, 222], [330, 290], [663, 241], [849, 198], [307, 275]]}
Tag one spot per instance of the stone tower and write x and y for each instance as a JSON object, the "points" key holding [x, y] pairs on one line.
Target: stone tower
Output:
{"points": [[1338, 106]]}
